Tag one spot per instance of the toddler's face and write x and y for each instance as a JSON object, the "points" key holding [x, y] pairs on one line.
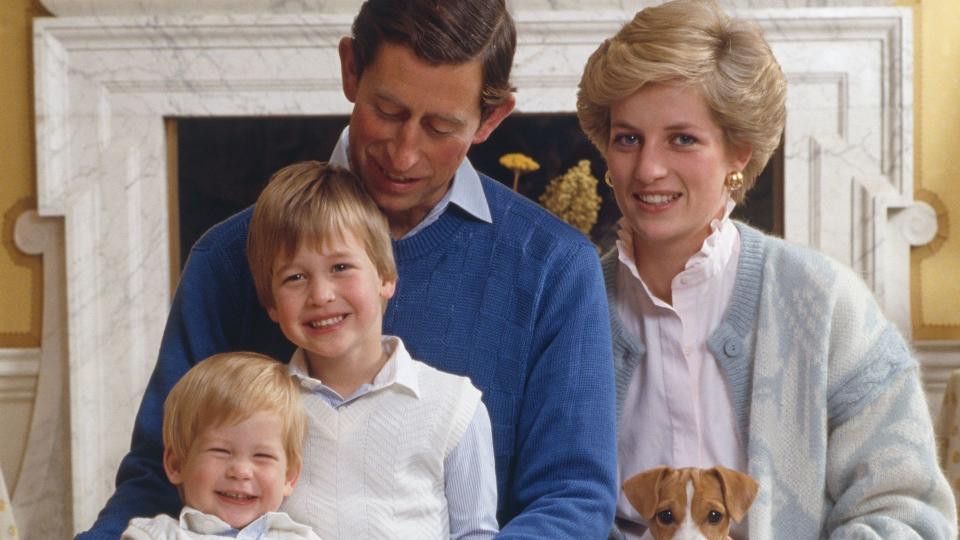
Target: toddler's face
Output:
{"points": [[236, 473]]}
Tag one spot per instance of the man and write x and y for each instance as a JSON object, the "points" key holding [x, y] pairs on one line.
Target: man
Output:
{"points": [[490, 285]]}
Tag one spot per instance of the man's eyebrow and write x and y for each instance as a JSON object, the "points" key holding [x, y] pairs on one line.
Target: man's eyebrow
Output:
{"points": [[454, 121], [380, 94]]}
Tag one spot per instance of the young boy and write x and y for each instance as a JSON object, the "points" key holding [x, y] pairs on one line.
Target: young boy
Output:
{"points": [[233, 428], [395, 448]]}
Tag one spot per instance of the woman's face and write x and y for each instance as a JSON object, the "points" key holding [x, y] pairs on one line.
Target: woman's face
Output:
{"points": [[668, 160]]}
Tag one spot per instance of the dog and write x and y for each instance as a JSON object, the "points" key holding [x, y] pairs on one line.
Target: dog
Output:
{"points": [[690, 503]]}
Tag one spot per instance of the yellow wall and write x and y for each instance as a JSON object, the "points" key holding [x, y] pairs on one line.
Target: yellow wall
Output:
{"points": [[936, 268], [20, 275], [21, 284]]}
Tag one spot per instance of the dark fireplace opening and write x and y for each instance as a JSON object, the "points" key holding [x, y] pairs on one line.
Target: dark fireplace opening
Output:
{"points": [[223, 164]]}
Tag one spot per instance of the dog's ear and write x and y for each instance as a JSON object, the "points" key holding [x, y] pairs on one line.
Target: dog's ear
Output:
{"points": [[643, 490], [738, 491]]}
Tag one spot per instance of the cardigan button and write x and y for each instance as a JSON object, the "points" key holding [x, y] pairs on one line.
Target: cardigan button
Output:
{"points": [[732, 347]]}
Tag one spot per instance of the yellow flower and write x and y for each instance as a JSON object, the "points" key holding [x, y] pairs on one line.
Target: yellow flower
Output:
{"points": [[573, 197], [519, 164]]}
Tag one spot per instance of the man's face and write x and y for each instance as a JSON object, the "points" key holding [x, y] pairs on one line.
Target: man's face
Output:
{"points": [[411, 127]]}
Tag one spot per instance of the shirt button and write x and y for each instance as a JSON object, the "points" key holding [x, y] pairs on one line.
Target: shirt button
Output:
{"points": [[732, 347]]}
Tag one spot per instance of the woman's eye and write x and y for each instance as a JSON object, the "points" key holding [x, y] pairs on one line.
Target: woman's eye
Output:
{"points": [[626, 139], [665, 517], [684, 140], [714, 517]]}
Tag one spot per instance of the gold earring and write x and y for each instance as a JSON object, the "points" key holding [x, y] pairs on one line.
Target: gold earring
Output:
{"points": [[607, 179], [734, 181]]}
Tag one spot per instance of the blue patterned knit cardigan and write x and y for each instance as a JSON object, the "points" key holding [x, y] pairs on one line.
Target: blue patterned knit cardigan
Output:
{"points": [[826, 396]]}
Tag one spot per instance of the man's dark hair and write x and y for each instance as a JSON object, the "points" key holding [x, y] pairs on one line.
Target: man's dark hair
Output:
{"points": [[443, 32]]}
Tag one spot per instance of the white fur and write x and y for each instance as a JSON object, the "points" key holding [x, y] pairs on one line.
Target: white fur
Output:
{"points": [[688, 529]]}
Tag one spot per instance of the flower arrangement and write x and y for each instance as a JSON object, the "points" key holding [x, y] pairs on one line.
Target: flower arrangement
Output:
{"points": [[573, 197]]}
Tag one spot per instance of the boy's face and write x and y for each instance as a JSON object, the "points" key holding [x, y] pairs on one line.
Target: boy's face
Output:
{"points": [[329, 301], [236, 473]]}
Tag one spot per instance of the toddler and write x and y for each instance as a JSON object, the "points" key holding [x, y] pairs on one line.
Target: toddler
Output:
{"points": [[233, 428]]}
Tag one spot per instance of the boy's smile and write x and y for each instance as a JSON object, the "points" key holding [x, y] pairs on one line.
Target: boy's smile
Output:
{"points": [[236, 473], [329, 300]]}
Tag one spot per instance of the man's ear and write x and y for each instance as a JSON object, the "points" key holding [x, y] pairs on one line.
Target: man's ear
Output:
{"points": [[348, 69], [493, 119], [173, 466]]}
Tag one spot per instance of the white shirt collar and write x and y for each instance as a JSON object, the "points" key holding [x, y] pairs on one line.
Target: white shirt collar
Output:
{"points": [[398, 370], [712, 257], [196, 521], [466, 191]]}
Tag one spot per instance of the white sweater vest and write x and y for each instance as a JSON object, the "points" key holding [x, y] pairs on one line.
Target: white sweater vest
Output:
{"points": [[374, 467]]}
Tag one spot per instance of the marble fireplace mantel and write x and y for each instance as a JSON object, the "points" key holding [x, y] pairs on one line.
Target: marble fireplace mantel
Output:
{"points": [[108, 74]]}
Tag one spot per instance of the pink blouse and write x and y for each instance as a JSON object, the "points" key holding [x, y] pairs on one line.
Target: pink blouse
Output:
{"points": [[677, 410]]}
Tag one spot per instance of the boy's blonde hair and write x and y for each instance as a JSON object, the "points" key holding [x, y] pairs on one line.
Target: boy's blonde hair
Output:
{"points": [[226, 389], [692, 43], [310, 203]]}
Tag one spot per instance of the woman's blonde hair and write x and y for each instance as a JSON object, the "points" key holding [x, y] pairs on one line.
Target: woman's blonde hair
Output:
{"points": [[226, 389], [310, 203], [692, 43]]}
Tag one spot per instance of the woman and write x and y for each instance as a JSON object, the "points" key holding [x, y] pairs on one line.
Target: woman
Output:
{"points": [[734, 348]]}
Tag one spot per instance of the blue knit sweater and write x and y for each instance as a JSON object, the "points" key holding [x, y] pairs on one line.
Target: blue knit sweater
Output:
{"points": [[517, 305]]}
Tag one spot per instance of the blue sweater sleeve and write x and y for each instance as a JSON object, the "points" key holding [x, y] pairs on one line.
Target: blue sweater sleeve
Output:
{"points": [[565, 468], [213, 310]]}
